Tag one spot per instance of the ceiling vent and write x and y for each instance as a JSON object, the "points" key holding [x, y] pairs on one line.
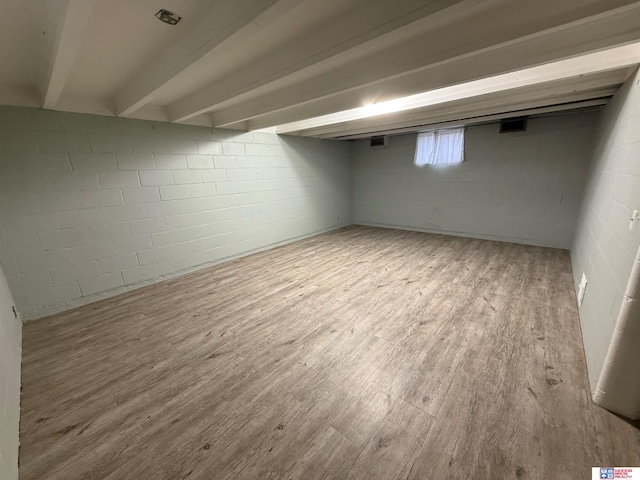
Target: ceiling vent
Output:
{"points": [[378, 141], [508, 125], [167, 17]]}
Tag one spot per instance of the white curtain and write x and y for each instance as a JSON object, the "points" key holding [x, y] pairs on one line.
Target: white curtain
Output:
{"points": [[440, 147], [425, 148]]}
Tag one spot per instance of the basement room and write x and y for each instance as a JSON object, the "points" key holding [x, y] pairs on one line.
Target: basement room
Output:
{"points": [[299, 239]]}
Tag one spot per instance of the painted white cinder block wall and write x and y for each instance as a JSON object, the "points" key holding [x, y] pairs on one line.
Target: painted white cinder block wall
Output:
{"points": [[604, 247], [91, 206], [10, 359], [523, 187]]}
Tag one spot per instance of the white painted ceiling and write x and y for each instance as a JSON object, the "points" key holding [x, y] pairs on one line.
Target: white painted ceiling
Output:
{"points": [[252, 64]]}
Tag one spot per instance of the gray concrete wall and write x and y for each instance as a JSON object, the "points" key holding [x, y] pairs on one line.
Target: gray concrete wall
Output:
{"points": [[521, 187], [605, 248], [92, 206], [10, 358]]}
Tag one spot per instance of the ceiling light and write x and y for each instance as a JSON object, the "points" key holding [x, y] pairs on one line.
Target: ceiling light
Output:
{"points": [[167, 17]]}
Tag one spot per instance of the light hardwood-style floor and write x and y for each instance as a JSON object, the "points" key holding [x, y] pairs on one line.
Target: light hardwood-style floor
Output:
{"points": [[362, 353]]}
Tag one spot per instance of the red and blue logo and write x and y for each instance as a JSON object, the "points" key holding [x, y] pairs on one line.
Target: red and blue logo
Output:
{"points": [[616, 472]]}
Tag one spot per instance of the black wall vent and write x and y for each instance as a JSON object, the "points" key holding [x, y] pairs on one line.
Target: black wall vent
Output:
{"points": [[378, 141], [513, 125]]}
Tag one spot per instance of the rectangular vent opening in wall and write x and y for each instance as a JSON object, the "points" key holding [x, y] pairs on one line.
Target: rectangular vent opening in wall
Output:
{"points": [[508, 125], [378, 141]]}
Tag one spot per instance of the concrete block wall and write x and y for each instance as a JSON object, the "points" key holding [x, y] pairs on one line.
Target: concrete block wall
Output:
{"points": [[91, 206], [10, 358], [604, 247], [523, 187]]}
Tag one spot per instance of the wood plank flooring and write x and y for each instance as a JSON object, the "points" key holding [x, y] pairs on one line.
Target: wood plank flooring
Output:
{"points": [[362, 353]]}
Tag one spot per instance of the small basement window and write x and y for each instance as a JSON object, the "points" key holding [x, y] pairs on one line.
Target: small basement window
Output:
{"points": [[440, 147]]}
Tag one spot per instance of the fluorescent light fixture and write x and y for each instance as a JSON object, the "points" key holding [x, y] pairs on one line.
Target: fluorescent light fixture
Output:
{"points": [[573, 67]]}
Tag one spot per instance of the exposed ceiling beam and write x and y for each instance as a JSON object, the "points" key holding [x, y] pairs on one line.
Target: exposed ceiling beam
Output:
{"points": [[466, 111], [69, 22], [472, 50], [226, 23], [553, 93], [585, 72], [478, 120], [364, 22], [506, 110]]}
